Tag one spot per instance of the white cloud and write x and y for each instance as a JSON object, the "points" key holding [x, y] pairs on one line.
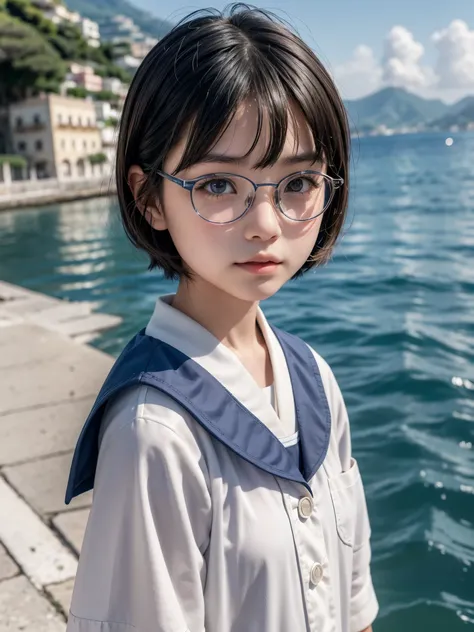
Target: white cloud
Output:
{"points": [[402, 61], [402, 65], [455, 65], [361, 74]]}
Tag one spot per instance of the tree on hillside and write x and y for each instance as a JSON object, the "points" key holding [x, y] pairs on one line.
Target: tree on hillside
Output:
{"points": [[25, 11], [70, 43], [28, 64]]}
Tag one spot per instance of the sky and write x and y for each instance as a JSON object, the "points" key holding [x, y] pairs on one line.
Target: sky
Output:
{"points": [[426, 46]]}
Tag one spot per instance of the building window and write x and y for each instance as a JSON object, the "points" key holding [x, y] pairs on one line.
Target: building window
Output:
{"points": [[93, 144], [66, 168], [80, 122], [60, 119], [84, 144], [70, 120], [39, 145], [41, 170], [37, 119], [22, 146], [89, 122], [73, 143], [63, 143], [19, 121]]}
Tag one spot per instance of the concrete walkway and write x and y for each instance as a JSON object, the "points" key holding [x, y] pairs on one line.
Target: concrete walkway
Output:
{"points": [[48, 382]]}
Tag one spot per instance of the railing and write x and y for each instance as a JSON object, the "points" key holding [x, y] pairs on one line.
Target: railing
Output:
{"points": [[30, 127], [76, 126]]}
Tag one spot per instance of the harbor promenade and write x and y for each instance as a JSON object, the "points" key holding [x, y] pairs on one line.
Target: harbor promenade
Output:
{"points": [[49, 377]]}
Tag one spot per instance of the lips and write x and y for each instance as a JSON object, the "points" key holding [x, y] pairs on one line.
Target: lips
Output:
{"points": [[263, 259]]}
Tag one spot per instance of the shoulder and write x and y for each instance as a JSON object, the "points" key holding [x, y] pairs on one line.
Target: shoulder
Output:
{"points": [[142, 423], [330, 384]]}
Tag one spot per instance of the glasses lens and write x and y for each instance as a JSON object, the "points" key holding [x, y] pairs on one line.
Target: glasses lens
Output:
{"points": [[222, 198], [304, 196]]}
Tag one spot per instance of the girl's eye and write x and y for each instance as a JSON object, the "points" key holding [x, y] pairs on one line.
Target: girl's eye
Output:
{"points": [[217, 186], [301, 185]]}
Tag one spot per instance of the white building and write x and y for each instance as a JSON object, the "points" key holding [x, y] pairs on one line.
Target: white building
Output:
{"points": [[128, 62], [90, 31], [56, 135], [58, 13], [104, 111], [142, 48], [121, 29], [109, 143], [115, 85]]}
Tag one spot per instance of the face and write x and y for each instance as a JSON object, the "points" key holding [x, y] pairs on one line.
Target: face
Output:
{"points": [[214, 253]]}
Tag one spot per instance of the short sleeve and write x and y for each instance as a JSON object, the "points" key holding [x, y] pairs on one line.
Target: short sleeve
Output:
{"points": [[363, 601], [142, 563]]}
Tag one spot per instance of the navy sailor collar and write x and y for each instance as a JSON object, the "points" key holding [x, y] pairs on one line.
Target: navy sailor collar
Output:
{"points": [[215, 400]]}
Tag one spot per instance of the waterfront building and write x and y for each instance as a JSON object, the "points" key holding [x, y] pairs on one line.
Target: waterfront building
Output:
{"points": [[58, 136]]}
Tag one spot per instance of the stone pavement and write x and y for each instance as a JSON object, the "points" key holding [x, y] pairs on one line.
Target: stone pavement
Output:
{"points": [[48, 383]]}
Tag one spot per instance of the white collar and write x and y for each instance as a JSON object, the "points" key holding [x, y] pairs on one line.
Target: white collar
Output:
{"points": [[185, 334]]}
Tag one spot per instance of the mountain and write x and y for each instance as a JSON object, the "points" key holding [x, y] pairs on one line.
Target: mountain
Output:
{"points": [[393, 108], [460, 115], [102, 10], [458, 107]]}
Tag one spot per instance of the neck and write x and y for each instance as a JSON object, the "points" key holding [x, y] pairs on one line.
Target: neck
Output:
{"points": [[232, 321]]}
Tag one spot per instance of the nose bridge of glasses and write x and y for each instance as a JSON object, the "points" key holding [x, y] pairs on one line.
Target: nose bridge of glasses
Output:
{"points": [[273, 194]]}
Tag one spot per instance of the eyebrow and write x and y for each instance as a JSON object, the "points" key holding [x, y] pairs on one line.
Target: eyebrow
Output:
{"points": [[307, 156]]}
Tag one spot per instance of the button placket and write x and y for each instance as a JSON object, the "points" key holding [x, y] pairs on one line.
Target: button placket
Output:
{"points": [[311, 553]]}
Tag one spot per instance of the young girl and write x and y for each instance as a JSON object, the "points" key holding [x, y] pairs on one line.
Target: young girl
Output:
{"points": [[226, 498]]}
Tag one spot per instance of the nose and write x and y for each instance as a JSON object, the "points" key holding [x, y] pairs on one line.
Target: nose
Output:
{"points": [[262, 220]]}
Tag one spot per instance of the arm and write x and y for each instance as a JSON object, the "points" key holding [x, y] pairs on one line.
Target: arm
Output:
{"points": [[142, 565]]}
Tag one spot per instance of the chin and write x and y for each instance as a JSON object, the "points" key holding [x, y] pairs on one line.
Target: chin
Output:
{"points": [[253, 293]]}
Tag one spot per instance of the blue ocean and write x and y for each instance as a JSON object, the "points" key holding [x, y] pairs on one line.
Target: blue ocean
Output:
{"points": [[393, 314]]}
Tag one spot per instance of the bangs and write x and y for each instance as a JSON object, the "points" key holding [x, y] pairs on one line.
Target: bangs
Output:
{"points": [[278, 91]]}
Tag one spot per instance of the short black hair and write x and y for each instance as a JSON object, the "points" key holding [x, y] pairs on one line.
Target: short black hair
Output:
{"points": [[193, 81]]}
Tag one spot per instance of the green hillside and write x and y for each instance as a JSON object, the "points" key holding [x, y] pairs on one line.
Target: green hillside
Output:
{"points": [[35, 53], [102, 10]]}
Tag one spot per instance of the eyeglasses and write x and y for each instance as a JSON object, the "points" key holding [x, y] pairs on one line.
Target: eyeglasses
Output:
{"points": [[223, 198]]}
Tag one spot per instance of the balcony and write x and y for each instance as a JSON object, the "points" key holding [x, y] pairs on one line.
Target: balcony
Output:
{"points": [[67, 125], [36, 126]]}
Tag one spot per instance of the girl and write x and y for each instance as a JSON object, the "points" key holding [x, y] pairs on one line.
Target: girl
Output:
{"points": [[225, 495]]}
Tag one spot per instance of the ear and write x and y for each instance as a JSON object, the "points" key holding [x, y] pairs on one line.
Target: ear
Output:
{"points": [[152, 213]]}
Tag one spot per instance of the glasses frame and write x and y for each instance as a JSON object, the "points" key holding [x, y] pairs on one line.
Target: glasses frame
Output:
{"points": [[190, 184]]}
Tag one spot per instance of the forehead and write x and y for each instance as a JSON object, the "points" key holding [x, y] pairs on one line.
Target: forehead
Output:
{"points": [[242, 131]]}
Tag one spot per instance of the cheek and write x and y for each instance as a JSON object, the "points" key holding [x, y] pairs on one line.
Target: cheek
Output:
{"points": [[301, 237], [196, 240]]}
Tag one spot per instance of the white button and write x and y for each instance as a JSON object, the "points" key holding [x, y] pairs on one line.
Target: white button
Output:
{"points": [[305, 507], [316, 573]]}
